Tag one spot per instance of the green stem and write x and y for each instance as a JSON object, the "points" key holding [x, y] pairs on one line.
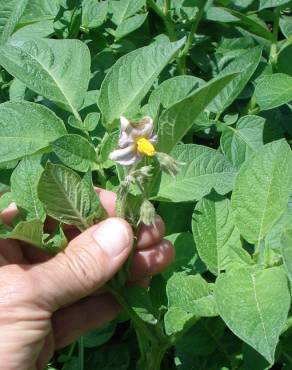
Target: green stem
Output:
{"points": [[273, 50], [152, 358], [81, 353], [169, 25]]}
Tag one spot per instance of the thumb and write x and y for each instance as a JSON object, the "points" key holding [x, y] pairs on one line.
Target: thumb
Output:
{"points": [[91, 259]]}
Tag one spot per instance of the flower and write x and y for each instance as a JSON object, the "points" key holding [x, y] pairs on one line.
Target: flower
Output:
{"points": [[136, 140], [168, 164]]}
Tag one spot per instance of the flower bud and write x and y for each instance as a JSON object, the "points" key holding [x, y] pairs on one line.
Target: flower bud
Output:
{"points": [[168, 164], [147, 213]]}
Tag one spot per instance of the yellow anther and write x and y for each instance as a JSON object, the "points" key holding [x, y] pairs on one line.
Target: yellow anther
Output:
{"points": [[145, 147]]}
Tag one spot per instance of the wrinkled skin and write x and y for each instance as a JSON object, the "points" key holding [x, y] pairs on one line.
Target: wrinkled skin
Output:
{"points": [[47, 302]]}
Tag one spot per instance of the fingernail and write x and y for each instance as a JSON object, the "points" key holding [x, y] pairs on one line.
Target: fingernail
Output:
{"points": [[112, 236]]}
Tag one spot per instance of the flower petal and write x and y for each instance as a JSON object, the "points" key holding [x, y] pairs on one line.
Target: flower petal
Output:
{"points": [[126, 156], [144, 128]]}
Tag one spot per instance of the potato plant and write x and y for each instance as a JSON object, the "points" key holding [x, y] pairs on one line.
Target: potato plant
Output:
{"points": [[199, 93]]}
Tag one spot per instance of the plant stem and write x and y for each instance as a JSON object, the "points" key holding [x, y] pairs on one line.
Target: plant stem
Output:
{"points": [[169, 25], [81, 353], [273, 50]]}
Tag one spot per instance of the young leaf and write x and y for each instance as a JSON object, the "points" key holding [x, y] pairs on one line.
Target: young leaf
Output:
{"points": [[261, 190], [248, 302], [10, 14], [93, 13], [204, 169], [122, 10], [286, 249], [129, 25], [65, 195], [30, 232], [75, 152], [57, 69], [175, 122], [216, 237], [24, 181], [273, 91], [26, 128], [240, 142], [131, 77]]}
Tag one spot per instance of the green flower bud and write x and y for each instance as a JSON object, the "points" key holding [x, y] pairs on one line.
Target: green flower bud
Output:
{"points": [[147, 213], [168, 164]]}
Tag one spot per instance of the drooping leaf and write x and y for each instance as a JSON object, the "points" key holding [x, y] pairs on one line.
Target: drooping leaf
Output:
{"points": [[273, 91], [131, 77], [175, 122], [248, 302], [10, 14], [203, 169], [261, 190], [24, 181], [216, 237], [56, 69], [65, 195], [75, 152], [26, 128]]}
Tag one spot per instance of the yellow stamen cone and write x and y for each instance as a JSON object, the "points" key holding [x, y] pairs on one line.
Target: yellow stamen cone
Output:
{"points": [[145, 147]]}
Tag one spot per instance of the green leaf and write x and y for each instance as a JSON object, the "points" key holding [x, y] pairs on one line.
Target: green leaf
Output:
{"points": [[245, 65], [65, 195], [129, 25], [93, 13], [272, 3], [204, 169], [24, 181], [122, 10], [240, 142], [189, 297], [42, 29], [39, 10], [91, 121], [286, 249], [5, 200], [30, 232], [10, 14], [175, 122], [130, 78], [170, 92], [254, 305], [26, 128], [100, 336], [273, 91], [284, 61], [216, 237], [269, 174], [75, 152], [186, 255], [57, 69], [286, 26]]}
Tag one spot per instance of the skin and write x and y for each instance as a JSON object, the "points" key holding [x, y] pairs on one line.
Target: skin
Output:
{"points": [[47, 302]]}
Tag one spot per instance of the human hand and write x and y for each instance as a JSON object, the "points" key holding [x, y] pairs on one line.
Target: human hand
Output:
{"points": [[47, 303]]}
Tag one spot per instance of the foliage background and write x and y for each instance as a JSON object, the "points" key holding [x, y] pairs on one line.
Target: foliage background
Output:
{"points": [[220, 96]]}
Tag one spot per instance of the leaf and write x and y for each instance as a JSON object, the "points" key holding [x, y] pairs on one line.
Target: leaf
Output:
{"points": [[93, 13], [273, 91], [39, 10], [91, 121], [130, 78], [204, 169], [24, 181], [175, 122], [42, 29], [286, 26], [245, 65], [240, 142], [65, 195], [129, 25], [30, 232], [186, 255], [124, 9], [26, 128], [272, 3], [216, 237], [100, 336], [286, 250], [269, 174], [75, 152], [284, 60], [170, 92], [248, 302], [189, 297], [57, 69], [5, 200], [10, 14]]}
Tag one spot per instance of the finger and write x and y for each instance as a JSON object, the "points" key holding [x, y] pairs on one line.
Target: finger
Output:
{"points": [[108, 201], [71, 322], [152, 261], [86, 264], [46, 353], [8, 214], [151, 235]]}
